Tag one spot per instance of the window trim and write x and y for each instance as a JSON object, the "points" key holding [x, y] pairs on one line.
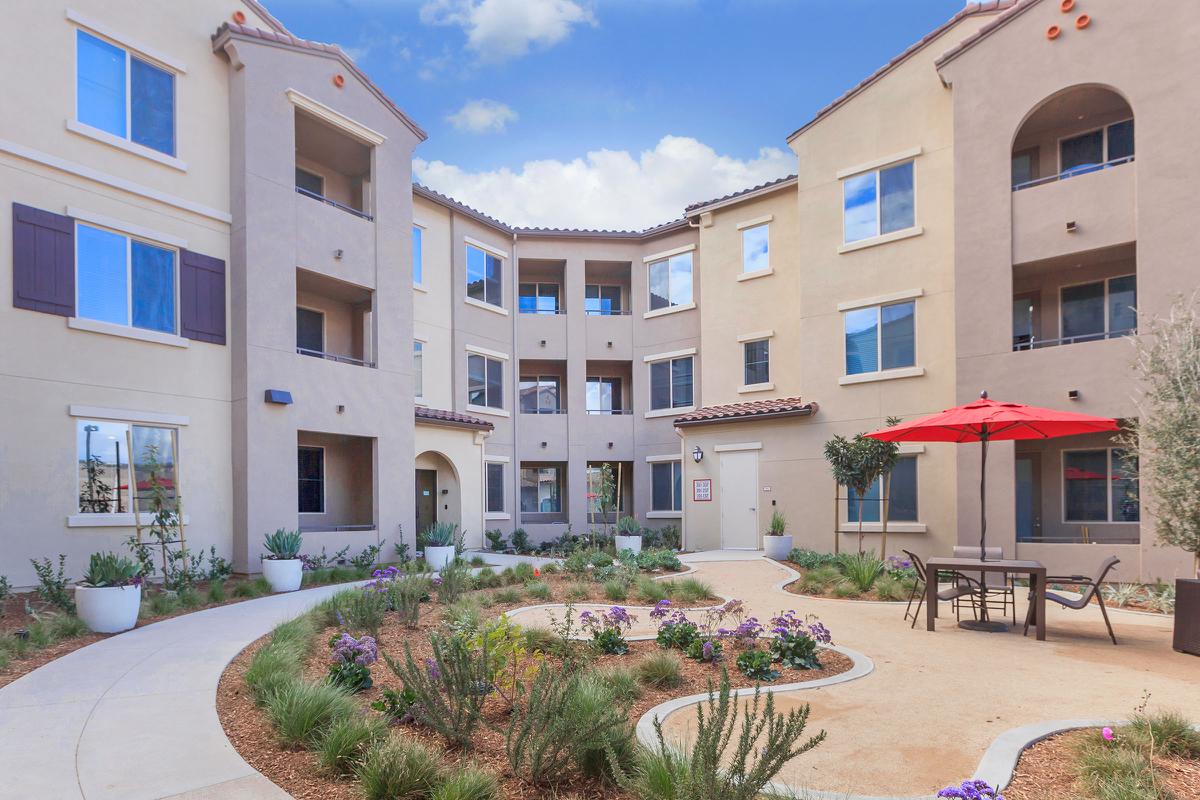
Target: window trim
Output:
{"points": [[674, 462], [420, 284], [130, 419], [485, 408], [120, 329], [908, 371], [419, 374], [1108, 487], [670, 358], [746, 363], [880, 236], [745, 228], [468, 245], [324, 482], [1108, 332], [488, 463]]}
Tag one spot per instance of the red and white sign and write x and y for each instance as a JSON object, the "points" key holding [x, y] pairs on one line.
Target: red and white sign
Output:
{"points": [[702, 490]]}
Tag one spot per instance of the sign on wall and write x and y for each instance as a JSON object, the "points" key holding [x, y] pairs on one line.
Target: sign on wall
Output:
{"points": [[702, 490]]}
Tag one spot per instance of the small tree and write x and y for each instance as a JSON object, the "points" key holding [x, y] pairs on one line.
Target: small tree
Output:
{"points": [[1162, 446], [857, 463]]}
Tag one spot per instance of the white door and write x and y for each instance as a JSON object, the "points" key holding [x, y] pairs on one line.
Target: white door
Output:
{"points": [[739, 500]]}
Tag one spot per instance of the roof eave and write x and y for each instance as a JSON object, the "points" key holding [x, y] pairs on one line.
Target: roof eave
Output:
{"points": [[805, 411], [753, 194]]}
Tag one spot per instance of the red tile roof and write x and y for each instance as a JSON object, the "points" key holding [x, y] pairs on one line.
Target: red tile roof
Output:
{"points": [[739, 193], [437, 416], [971, 9], [1008, 16], [748, 411]]}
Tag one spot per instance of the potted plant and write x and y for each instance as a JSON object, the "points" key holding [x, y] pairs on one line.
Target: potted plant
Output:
{"points": [[776, 543], [282, 565], [441, 545], [110, 594], [628, 536]]}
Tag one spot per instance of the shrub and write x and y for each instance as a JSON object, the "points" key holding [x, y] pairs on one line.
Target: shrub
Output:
{"points": [[660, 670], [250, 589], [888, 588], [368, 557], [706, 650], [278, 663], [450, 687], [578, 591], [65, 626], [520, 541], [728, 760], [845, 589], [496, 540], [189, 597], [658, 559], [341, 747], [861, 569], [811, 559], [395, 705], [161, 603], [470, 783], [622, 681], [651, 591], [523, 572], [508, 595], [463, 618], [615, 590], [692, 590], [405, 594], [538, 590], [301, 711], [487, 578], [756, 665], [820, 579], [351, 662], [972, 790], [576, 564], [1169, 731], [441, 534], [216, 591], [362, 610], [539, 639], [396, 768], [52, 584], [675, 630], [600, 559], [283, 545], [608, 629], [451, 582], [551, 568]]}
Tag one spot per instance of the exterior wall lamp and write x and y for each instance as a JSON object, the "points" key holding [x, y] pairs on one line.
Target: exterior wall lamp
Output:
{"points": [[697, 454]]}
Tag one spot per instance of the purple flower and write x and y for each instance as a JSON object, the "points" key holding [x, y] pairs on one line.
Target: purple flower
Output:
{"points": [[437, 580], [432, 669], [661, 609], [706, 651], [347, 650], [971, 790]]}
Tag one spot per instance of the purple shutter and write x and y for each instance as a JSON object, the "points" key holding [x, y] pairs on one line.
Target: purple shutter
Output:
{"points": [[201, 297], [43, 261]]}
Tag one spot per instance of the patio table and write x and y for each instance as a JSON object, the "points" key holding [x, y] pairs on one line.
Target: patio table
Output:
{"points": [[1034, 569]]}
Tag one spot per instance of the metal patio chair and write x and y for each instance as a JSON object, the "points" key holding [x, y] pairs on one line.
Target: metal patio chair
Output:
{"points": [[1001, 591], [962, 587], [1091, 588]]}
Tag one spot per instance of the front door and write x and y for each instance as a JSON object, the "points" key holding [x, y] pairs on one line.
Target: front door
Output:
{"points": [[739, 500], [1029, 497], [426, 499]]}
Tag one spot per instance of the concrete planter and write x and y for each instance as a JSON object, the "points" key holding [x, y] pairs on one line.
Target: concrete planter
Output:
{"points": [[1187, 616], [633, 543], [438, 557], [283, 574], [108, 609], [777, 547]]}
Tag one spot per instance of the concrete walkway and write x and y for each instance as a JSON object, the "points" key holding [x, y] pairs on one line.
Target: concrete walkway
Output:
{"points": [[133, 717]]}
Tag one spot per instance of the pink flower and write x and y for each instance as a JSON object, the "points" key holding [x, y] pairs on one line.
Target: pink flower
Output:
{"points": [[1107, 733]]}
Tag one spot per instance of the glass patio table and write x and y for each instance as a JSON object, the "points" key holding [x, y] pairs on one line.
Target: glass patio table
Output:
{"points": [[1034, 569]]}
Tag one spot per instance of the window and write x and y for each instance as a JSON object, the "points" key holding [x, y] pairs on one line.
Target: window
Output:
{"points": [[123, 280], [1022, 316], [600, 300], [1099, 486], [756, 357], [1088, 151], [671, 281], [1024, 166], [1099, 310], [311, 473], [124, 95], [483, 276], [102, 449], [485, 381], [880, 338], [310, 182], [538, 298], [310, 331], [878, 202], [541, 490], [539, 394], [666, 479], [671, 383], [902, 505], [418, 368], [417, 256], [595, 486], [495, 487], [603, 395], [755, 249]]}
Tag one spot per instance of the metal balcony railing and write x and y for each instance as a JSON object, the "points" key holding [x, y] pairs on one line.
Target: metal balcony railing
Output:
{"points": [[1032, 343], [358, 362], [335, 204], [1081, 169]]}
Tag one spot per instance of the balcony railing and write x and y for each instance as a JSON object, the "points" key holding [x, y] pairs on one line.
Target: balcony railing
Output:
{"points": [[322, 198], [610, 411], [304, 351], [1031, 343], [547, 311], [543, 411], [600, 312], [1082, 169]]}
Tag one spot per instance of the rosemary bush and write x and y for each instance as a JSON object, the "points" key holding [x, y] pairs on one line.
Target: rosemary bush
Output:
{"points": [[449, 688], [405, 596], [452, 582]]}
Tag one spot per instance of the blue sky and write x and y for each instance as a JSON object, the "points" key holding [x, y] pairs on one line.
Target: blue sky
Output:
{"points": [[610, 113]]}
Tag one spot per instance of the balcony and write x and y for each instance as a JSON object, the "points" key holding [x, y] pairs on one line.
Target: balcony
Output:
{"points": [[336, 482], [334, 320], [332, 167], [543, 492], [622, 504]]}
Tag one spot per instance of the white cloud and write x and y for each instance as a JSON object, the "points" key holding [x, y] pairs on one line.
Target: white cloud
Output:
{"points": [[606, 188], [482, 116], [499, 30]]}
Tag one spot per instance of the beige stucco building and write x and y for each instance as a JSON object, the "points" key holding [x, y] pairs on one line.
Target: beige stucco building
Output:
{"points": [[215, 247]]}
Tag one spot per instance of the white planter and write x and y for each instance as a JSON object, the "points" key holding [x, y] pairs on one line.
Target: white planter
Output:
{"points": [[108, 609], [633, 543], [777, 547], [283, 574], [438, 557]]}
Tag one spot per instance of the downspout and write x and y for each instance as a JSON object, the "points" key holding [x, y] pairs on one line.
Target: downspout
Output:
{"points": [[683, 495], [515, 490]]}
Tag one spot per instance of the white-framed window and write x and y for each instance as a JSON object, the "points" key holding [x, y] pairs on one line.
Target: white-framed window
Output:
{"points": [[418, 256], [671, 383], [485, 381], [495, 487], [670, 281], [666, 483], [880, 338], [123, 94], [756, 362], [1089, 151], [540, 394], [1099, 309], [105, 481], [310, 489], [1099, 486], [877, 202], [902, 503], [418, 368], [756, 248], [125, 280], [484, 276]]}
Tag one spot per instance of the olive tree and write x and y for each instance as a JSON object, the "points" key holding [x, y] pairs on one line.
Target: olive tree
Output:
{"points": [[856, 464]]}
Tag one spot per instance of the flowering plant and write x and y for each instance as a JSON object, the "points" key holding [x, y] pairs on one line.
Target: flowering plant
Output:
{"points": [[972, 790], [756, 665], [796, 638], [675, 629], [705, 650], [352, 659], [608, 629], [900, 568]]}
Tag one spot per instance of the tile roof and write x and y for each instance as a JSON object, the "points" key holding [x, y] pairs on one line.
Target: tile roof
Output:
{"points": [[740, 193], [748, 411], [971, 9], [1009, 15], [281, 38], [438, 416]]}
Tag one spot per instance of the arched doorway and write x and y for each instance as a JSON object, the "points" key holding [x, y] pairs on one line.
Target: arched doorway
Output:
{"points": [[438, 492]]}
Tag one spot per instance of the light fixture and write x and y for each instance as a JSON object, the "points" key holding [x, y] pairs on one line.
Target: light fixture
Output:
{"points": [[338, 254], [280, 397], [543, 342], [341, 409], [610, 344], [697, 454], [1071, 226], [544, 444], [610, 445], [1072, 394]]}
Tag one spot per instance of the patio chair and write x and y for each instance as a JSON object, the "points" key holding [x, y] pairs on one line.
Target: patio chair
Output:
{"points": [[1091, 588], [963, 587], [1001, 592]]}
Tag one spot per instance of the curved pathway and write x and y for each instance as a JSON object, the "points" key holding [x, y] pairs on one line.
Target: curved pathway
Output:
{"points": [[134, 716]]}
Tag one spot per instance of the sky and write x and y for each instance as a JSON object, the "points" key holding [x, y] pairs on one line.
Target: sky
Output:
{"points": [[610, 113]]}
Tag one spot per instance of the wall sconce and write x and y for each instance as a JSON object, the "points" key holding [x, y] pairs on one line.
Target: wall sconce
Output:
{"points": [[341, 409], [610, 445], [544, 444], [543, 342], [445, 491], [1072, 394], [697, 454], [338, 254], [610, 344], [1072, 227], [280, 397]]}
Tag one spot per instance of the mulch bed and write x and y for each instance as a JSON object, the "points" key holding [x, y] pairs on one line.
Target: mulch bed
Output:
{"points": [[794, 588], [297, 772]]}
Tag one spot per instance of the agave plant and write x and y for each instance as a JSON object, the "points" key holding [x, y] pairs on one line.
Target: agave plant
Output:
{"points": [[629, 526], [1122, 594], [283, 545], [1161, 599], [441, 534], [108, 570]]}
